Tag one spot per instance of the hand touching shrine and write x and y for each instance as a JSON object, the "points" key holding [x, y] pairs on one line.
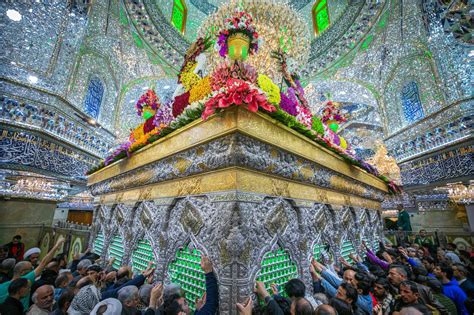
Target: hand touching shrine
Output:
{"points": [[246, 307], [156, 296], [260, 290], [206, 264], [317, 265]]}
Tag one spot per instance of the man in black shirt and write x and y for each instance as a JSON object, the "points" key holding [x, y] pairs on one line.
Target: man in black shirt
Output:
{"points": [[18, 289]]}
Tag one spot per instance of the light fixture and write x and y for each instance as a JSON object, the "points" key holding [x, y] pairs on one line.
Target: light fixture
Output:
{"points": [[145, 88], [132, 101], [166, 87], [32, 79], [14, 15], [461, 194], [92, 121]]}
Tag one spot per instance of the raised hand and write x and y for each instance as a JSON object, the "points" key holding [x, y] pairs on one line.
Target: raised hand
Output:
{"points": [[245, 308], [156, 295], [206, 264], [317, 266], [260, 290], [146, 273], [274, 288]]}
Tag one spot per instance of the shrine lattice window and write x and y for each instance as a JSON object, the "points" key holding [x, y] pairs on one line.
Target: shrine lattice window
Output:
{"points": [[411, 103], [93, 100]]}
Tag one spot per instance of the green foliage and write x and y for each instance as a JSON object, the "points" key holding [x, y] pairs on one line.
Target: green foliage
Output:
{"points": [[318, 126]]}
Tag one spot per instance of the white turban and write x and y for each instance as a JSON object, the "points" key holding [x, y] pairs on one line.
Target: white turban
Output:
{"points": [[31, 251]]}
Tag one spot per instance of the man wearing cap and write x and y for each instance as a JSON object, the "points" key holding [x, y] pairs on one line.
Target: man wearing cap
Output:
{"points": [[24, 269], [32, 255]]}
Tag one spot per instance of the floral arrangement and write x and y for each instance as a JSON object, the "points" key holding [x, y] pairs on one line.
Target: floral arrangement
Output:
{"points": [[179, 104], [240, 93], [148, 99], [187, 77], [332, 113], [288, 103], [239, 22], [144, 140], [200, 90], [271, 89], [236, 70], [164, 115], [196, 48], [119, 153]]}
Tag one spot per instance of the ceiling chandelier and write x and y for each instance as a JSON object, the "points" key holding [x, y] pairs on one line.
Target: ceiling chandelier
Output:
{"points": [[279, 28], [461, 194]]}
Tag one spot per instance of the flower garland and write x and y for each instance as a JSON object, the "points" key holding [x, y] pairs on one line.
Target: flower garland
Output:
{"points": [[271, 89], [179, 104], [238, 93], [120, 152], [188, 78], [236, 70], [143, 141], [304, 115], [148, 99], [332, 113], [239, 22], [288, 104], [200, 90], [164, 115]]}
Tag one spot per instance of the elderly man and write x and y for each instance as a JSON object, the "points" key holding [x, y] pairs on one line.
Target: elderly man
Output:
{"points": [[128, 296], [6, 268], [24, 269], [43, 299], [81, 270]]}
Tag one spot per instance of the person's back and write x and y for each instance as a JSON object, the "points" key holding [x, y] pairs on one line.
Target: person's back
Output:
{"points": [[447, 302]]}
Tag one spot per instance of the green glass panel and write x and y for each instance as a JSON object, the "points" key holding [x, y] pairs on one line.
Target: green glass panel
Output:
{"points": [[322, 20], [277, 268], [179, 5], [141, 256], [320, 5], [346, 249], [186, 271], [98, 246], [177, 19], [116, 250]]}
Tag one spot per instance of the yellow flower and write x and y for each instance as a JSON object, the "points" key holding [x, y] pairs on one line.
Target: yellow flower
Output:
{"points": [[271, 89], [200, 90], [188, 77], [137, 133]]}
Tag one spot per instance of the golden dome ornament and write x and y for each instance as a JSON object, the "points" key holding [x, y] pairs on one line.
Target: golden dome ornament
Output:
{"points": [[238, 45]]}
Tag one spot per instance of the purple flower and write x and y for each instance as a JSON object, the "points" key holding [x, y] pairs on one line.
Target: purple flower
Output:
{"points": [[123, 147], [164, 115], [287, 104]]}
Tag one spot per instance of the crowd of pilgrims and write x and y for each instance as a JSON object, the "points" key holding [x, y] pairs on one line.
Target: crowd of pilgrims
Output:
{"points": [[417, 278]]}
